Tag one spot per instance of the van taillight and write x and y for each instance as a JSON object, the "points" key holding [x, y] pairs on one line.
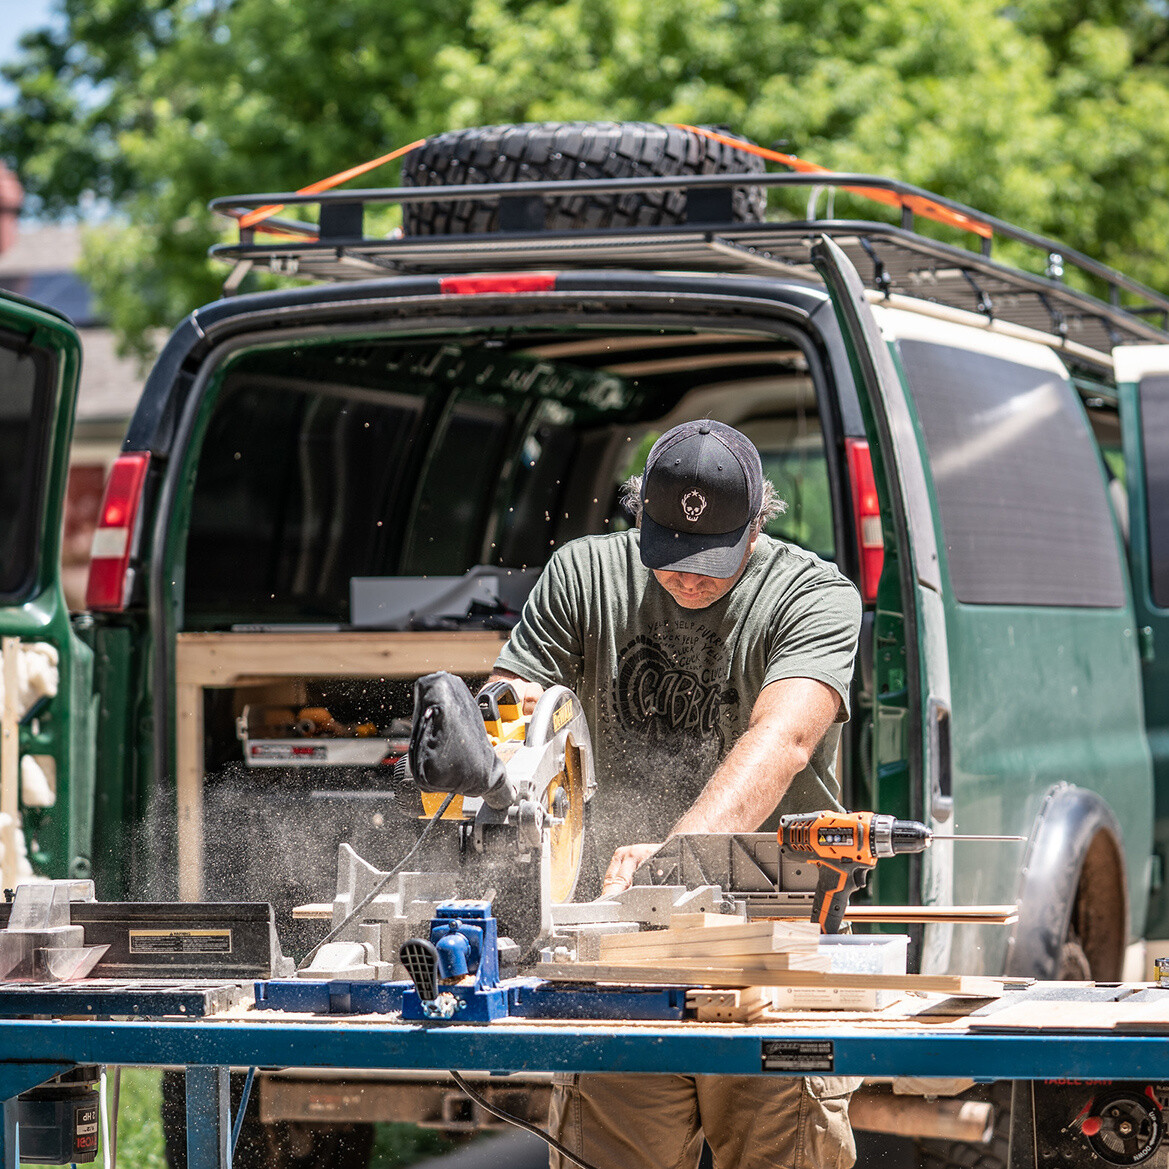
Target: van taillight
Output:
{"points": [[500, 282], [110, 556], [866, 510]]}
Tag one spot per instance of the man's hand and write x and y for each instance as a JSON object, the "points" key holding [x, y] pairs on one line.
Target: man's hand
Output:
{"points": [[626, 861], [528, 692]]}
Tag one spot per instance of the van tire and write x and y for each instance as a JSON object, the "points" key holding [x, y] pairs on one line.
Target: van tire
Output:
{"points": [[1072, 891], [571, 150]]}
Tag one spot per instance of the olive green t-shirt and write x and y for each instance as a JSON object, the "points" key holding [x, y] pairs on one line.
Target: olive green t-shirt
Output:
{"points": [[667, 690]]}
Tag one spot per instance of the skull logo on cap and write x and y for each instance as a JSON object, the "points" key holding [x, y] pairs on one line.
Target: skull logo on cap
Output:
{"points": [[693, 504]]}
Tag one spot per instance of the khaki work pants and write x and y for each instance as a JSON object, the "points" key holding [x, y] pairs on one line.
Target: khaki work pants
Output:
{"points": [[659, 1121]]}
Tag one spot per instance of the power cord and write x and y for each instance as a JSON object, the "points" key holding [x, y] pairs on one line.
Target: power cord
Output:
{"points": [[336, 930], [547, 1138]]}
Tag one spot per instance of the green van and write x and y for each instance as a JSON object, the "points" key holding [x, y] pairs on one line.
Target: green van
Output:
{"points": [[333, 488]]}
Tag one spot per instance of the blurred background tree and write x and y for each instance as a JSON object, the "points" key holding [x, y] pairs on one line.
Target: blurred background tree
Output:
{"points": [[1053, 114]]}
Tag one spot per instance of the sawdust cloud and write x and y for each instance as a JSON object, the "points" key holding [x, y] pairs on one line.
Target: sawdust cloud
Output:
{"points": [[272, 836]]}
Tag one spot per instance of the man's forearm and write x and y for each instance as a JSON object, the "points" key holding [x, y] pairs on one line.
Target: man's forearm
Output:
{"points": [[788, 721], [745, 789]]}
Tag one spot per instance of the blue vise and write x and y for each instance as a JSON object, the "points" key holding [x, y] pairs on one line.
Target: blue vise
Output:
{"points": [[455, 973]]}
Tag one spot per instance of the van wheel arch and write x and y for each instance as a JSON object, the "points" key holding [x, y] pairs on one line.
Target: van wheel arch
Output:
{"points": [[1073, 895]]}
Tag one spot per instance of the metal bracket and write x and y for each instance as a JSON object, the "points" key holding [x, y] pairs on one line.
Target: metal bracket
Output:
{"points": [[1059, 322], [880, 273], [985, 304]]}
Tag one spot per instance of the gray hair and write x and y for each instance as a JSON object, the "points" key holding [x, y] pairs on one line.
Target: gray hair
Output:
{"points": [[771, 507]]}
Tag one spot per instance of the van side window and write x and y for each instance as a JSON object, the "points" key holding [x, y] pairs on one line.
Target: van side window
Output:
{"points": [[1154, 393], [25, 417], [1022, 502]]}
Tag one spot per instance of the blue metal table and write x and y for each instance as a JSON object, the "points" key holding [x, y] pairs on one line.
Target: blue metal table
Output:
{"points": [[34, 1050]]}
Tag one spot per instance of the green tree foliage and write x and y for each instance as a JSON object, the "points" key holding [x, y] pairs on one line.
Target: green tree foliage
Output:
{"points": [[1051, 113]]}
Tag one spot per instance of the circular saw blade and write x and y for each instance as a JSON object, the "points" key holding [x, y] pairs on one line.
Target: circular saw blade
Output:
{"points": [[565, 797]]}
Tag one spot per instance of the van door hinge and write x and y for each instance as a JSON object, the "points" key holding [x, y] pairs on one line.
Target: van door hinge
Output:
{"points": [[1148, 643]]}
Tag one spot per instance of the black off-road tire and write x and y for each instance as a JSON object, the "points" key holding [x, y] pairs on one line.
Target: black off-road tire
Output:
{"points": [[283, 1145], [571, 150]]}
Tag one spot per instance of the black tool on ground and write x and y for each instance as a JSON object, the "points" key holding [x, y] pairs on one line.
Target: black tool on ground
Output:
{"points": [[845, 847]]}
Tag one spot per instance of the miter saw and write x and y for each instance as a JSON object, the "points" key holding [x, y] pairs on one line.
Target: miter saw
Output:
{"points": [[520, 790], [512, 833]]}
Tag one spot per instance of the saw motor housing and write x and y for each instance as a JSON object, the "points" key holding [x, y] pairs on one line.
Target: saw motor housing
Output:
{"points": [[521, 787]]}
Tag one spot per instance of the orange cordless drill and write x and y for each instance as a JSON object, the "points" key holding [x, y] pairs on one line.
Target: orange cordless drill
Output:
{"points": [[844, 846]]}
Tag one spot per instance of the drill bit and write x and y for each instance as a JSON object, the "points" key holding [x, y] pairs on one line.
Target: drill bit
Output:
{"points": [[935, 837]]}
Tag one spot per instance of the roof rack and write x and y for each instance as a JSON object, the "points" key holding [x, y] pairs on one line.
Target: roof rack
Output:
{"points": [[891, 259]]}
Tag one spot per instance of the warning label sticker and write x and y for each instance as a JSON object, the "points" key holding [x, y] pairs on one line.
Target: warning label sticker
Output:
{"points": [[798, 1055], [180, 941]]}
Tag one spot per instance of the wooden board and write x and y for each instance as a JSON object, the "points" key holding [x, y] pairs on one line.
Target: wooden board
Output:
{"points": [[761, 937], [810, 961], [958, 985], [736, 950], [684, 921], [316, 911], [1062, 1016], [744, 1005], [968, 914]]}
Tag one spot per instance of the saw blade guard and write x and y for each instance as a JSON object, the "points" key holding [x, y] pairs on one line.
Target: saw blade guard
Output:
{"points": [[556, 764]]}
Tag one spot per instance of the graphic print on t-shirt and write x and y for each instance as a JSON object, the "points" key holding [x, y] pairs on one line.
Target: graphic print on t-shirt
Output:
{"points": [[673, 683]]}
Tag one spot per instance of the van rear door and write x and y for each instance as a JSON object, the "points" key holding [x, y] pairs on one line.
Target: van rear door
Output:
{"points": [[46, 753], [1142, 375], [1028, 700], [911, 673]]}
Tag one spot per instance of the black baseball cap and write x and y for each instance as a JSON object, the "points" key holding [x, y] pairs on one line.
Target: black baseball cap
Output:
{"points": [[701, 492]]}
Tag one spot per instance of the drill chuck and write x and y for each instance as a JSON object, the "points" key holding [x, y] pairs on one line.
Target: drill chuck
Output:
{"points": [[891, 837], [909, 836]]}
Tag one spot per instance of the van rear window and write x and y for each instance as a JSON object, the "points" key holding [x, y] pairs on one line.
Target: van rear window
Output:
{"points": [[25, 416], [325, 467], [1019, 487]]}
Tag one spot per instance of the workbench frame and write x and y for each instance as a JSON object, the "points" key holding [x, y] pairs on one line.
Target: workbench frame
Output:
{"points": [[33, 1051]]}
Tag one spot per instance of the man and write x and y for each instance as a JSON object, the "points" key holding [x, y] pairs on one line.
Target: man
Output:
{"points": [[714, 665]]}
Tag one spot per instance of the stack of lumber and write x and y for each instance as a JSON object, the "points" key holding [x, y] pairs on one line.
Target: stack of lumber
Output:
{"points": [[741, 959], [697, 943], [704, 940]]}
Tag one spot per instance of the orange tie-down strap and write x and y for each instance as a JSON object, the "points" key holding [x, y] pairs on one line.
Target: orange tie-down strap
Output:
{"points": [[259, 214], [916, 203]]}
